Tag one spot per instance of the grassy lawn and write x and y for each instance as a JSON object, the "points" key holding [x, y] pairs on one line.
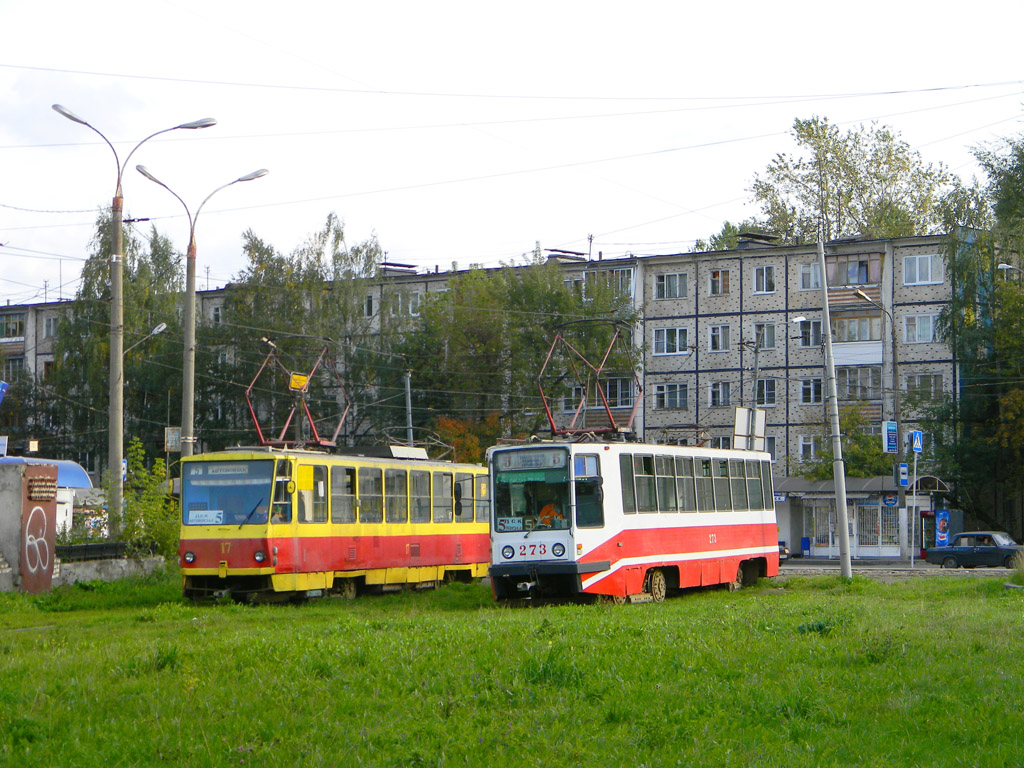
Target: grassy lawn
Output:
{"points": [[806, 672]]}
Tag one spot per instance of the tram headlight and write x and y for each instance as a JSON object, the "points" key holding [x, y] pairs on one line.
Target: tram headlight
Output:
{"points": [[190, 557], [558, 550], [507, 552], [260, 556]]}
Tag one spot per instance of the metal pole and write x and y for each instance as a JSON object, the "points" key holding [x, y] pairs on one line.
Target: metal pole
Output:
{"points": [[913, 518], [115, 428], [752, 427], [408, 408], [838, 468], [189, 361]]}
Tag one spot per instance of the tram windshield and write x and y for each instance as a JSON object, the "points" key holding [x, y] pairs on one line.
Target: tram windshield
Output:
{"points": [[226, 492], [531, 490]]}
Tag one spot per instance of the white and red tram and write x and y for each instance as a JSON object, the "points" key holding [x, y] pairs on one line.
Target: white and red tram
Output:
{"points": [[628, 520]]}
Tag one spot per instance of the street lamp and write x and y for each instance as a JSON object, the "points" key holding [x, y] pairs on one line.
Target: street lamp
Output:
{"points": [[189, 361], [896, 414], [115, 432], [1006, 267], [155, 332]]}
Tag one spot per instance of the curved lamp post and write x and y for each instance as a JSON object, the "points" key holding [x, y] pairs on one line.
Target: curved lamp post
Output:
{"points": [[115, 433], [189, 361]]}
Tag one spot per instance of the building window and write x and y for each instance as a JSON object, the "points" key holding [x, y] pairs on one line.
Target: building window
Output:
{"points": [[571, 402], [670, 397], [50, 327], [919, 329], [574, 284], [414, 304], [721, 442], [925, 386], [810, 333], [619, 393], [810, 277], [670, 286], [368, 306], [217, 314], [764, 335], [719, 338], [719, 282], [719, 394], [766, 392], [622, 279], [12, 327], [764, 279], [770, 446], [923, 269], [670, 341], [860, 382], [867, 328], [854, 270], [13, 367], [810, 447], [810, 391]]}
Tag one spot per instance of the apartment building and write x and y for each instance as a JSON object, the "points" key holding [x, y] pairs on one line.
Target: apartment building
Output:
{"points": [[724, 329]]}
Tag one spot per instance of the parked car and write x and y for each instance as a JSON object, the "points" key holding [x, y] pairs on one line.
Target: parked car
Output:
{"points": [[992, 548], [783, 551]]}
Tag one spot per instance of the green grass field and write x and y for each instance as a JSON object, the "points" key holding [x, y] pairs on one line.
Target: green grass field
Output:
{"points": [[805, 672]]}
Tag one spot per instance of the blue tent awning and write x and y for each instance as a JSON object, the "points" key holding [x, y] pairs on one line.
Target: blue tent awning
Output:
{"points": [[70, 474]]}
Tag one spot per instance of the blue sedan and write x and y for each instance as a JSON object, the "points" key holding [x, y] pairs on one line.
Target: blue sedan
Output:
{"points": [[991, 548]]}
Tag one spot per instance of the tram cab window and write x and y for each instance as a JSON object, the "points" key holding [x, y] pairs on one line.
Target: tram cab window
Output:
{"points": [[463, 497], [643, 475], [343, 494], [282, 512], [396, 499], [766, 485], [626, 479], [419, 496], [589, 492], [371, 502], [312, 493], [443, 497]]}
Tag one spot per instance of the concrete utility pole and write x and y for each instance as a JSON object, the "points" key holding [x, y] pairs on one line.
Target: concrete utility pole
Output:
{"points": [[838, 468], [115, 432]]}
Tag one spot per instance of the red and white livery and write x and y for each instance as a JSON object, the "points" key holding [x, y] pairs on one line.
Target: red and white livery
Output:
{"points": [[628, 520]]}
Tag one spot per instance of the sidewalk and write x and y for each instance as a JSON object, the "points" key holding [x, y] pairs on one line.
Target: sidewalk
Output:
{"points": [[864, 563]]}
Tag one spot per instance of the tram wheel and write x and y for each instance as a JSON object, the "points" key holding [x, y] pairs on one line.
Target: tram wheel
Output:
{"points": [[656, 585], [737, 584], [347, 589]]}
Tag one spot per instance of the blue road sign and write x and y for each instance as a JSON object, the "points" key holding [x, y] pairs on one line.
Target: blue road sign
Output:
{"points": [[3, 390], [890, 437], [904, 475], [918, 441]]}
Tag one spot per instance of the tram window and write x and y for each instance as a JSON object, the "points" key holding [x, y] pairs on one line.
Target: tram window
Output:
{"points": [[754, 492], [304, 492], [396, 499], [282, 499], [419, 492], [370, 496], [665, 469], [739, 485], [626, 478], [766, 485], [343, 494], [443, 497], [319, 494], [643, 472], [483, 499], [705, 487], [463, 497], [686, 493], [589, 492], [720, 473]]}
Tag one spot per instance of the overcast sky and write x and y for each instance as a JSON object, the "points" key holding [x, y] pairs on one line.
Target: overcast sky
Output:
{"points": [[461, 132]]}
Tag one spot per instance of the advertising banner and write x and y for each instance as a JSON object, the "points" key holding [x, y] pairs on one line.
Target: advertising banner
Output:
{"points": [[941, 527]]}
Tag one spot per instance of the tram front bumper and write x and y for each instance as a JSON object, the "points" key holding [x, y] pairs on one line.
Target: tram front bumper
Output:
{"points": [[545, 577]]}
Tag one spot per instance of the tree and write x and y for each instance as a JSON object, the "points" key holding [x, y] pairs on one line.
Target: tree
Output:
{"points": [[862, 451], [866, 182], [79, 385], [729, 236], [478, 348]]}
